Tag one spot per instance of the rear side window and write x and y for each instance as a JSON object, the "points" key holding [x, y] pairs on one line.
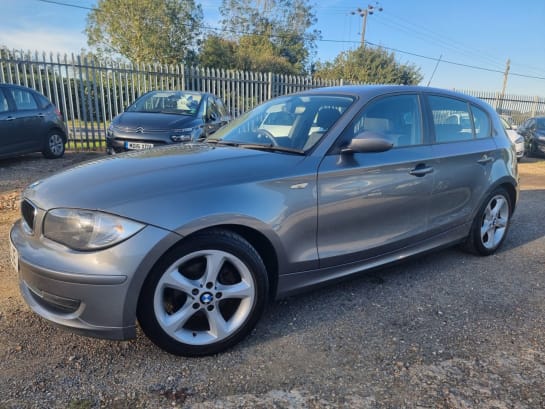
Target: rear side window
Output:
{"points": [[43, 101], [24, 100], [451, 119], [481, 121]]}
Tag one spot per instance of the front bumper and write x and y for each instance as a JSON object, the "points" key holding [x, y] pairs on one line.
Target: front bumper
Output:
{"points": [[93, 293], [519, 148]]}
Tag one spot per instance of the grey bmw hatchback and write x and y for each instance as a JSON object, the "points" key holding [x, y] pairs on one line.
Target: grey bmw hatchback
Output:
{"points": [[192, 240]]}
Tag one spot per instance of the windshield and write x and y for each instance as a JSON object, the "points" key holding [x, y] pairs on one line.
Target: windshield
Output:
{"points": [[169, 102], [295, 122], [540, 123]]}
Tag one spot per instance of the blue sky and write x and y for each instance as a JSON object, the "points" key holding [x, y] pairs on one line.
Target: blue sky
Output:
{"points": [[481, 33]]}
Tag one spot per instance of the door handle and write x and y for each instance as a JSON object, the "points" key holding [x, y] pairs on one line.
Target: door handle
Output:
{"points": [[485, 159], [41, 115], [421, 170]]}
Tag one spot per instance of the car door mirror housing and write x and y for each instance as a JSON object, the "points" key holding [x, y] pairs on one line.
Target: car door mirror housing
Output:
{"points": [[368, 142]]}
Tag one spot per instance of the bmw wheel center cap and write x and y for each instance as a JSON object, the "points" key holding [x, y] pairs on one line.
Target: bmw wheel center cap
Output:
{"points": [[206, 298]]}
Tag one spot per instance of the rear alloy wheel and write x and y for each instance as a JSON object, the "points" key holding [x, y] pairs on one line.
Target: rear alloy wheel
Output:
{"points": [[54, 145], [204, 296], [491, 224]]}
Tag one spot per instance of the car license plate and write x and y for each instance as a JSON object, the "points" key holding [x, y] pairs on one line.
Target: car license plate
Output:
{"points": [[14, 256], [138, 145]]}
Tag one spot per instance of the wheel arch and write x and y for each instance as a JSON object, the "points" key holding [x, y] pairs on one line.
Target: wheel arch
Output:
{"points": [[260, 242], [512, 192], [58, 129]]}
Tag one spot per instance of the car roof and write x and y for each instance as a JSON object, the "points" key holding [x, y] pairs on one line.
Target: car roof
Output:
{"points": [[371, 91]]}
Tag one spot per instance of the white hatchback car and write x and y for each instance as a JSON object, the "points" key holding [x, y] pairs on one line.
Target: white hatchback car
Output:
{"points": [[517, 139]]}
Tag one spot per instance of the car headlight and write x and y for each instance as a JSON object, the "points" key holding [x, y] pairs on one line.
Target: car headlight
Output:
{"points": [[186, 134], [86, 229], [110, 132]]}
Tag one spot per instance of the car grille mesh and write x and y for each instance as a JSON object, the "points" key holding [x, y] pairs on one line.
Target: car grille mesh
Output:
{"points": [[28, 212]]}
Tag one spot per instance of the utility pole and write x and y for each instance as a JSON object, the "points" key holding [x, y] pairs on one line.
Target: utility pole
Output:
{"points": [[364, 13], [505, 75], [435, 69]]}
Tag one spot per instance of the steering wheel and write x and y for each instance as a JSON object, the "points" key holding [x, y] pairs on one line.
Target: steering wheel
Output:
{"points": [[263, 133]]}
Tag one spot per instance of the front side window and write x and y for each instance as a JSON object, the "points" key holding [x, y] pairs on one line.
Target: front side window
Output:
{"points": [[451, 119], [221, 107], [395, 117], [24, 101], [213, 112]]}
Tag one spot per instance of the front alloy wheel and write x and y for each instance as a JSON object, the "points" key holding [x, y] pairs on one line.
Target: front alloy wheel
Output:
{"points": [[204, 296]]}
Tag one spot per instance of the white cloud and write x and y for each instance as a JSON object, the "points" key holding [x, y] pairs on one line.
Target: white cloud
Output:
{"points": [[42, 39]]}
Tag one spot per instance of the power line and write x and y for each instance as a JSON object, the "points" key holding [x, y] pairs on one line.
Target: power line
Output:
{"points": [[217, 29], [60, 3], [455, 63]]}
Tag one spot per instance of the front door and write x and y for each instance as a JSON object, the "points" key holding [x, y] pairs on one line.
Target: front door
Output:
{"points": [[373, 203]]}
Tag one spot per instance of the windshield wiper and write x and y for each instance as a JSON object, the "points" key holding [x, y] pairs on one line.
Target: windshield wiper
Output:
{"points": [[176, 113], [258, 146], [271, 147], [226, 143]]}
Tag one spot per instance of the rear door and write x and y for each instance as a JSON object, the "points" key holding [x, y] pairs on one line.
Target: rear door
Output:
{"points": [[373, 203], [465, 152], [28, 124], [8, 136]]}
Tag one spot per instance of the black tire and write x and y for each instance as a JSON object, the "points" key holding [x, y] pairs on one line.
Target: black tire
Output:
{"points": [[185, 313], [534, 152], [491, 224], [54, 145]]}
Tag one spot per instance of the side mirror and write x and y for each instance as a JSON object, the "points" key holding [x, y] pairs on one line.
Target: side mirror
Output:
{"points": [[212, 116], [368, 142]]}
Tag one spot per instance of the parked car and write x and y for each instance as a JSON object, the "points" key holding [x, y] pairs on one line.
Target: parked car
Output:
{"points": [[533, 131], [29, 122], [192, 239], [165, 117], [517, 139]]}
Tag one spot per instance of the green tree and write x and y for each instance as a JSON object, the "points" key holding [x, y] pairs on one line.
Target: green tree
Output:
{"points": [[258, 53], [284, 25], [369, 65], [218, 52], [145, 31]]}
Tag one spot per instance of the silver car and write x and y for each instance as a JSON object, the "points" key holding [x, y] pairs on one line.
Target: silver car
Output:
{"points": [[192, 240]]}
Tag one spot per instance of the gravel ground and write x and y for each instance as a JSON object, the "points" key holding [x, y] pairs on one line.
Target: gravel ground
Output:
{"points": [[446, 330]]}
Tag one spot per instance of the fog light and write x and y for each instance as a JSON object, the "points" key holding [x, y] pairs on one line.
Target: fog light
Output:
{"points": [[62, 304]]}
